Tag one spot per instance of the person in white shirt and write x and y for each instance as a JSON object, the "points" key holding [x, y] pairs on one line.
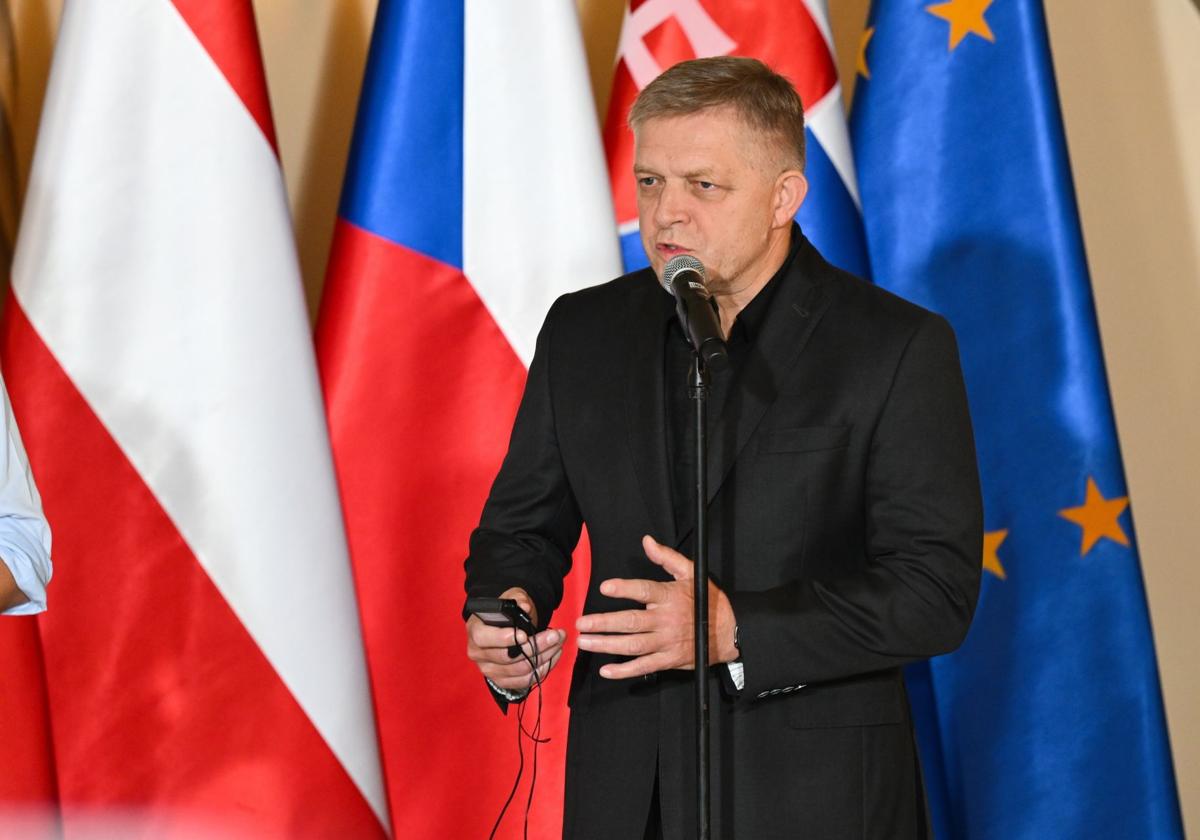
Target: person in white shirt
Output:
{"points": [[24, 533]]}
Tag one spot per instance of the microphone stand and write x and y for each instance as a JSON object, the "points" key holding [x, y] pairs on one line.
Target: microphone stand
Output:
{"points": [[698, 382]]}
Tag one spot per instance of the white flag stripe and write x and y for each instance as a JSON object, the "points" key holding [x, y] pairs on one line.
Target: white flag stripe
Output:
{"points": [[537, 213], [157, 263], [819, 11], [827, 121], [827, 117]]}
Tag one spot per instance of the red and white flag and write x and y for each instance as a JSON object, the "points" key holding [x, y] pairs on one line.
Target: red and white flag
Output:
{"points": [[203, 657]]}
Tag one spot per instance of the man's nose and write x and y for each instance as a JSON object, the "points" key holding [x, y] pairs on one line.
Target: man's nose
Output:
{"points": [[671, 207]]}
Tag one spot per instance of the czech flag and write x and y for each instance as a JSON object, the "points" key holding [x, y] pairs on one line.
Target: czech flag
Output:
{"points": [[475, 195]]}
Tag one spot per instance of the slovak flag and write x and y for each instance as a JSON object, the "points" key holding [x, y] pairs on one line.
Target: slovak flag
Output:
{"points": [[791, 37], [475, 195]]}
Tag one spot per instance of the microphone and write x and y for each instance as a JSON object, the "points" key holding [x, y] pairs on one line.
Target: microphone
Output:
{"points": [[683, 277]]}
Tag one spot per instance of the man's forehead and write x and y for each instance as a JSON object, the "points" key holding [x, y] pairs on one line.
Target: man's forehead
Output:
{"points": [[687, 166], [709, 121], [688, 160], [695, 143], [712, 142]]}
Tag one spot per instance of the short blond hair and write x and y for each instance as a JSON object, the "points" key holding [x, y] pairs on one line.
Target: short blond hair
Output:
{"points": [[763, 99]]}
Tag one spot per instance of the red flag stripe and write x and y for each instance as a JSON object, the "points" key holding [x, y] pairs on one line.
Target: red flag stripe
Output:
{"points": [[26, 743], [229, 34]]}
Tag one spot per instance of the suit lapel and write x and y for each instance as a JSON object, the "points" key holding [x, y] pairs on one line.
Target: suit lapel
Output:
{"points": [[795, 311], [645, 407]]}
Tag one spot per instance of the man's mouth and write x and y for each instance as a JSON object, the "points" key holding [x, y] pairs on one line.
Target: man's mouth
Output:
{"points": [[670, 249]]}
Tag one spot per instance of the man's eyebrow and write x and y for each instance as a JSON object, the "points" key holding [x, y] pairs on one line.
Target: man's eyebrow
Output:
{"points": [[706, 173]]}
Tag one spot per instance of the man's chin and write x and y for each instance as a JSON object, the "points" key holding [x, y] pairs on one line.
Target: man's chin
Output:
{"points": [[656, 261]]}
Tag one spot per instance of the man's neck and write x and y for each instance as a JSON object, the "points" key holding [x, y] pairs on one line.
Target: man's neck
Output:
{"points": [[730, 304]]}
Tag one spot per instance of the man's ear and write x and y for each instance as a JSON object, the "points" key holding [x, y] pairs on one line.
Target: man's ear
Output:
{"points": [[790, 188]]}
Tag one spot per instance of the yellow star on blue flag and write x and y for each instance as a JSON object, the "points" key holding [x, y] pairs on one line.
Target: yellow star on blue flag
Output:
{"points": [[966, 17], [1098, 517]]}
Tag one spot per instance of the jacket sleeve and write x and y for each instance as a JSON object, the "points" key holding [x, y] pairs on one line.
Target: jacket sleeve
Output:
{"points": [[530, 522], [916, 594]]}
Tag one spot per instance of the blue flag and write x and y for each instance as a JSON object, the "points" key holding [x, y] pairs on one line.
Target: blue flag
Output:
{"points": [[1048, 721]]}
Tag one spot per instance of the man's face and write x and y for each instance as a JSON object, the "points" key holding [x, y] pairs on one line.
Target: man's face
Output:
{"points": [[709, 186]]}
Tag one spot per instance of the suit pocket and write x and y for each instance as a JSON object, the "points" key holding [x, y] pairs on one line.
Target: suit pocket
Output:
{"points": [[805, 439], [868, 701]]}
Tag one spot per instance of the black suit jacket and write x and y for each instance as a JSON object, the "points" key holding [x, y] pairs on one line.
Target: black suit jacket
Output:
{"points": [[845, 521]]}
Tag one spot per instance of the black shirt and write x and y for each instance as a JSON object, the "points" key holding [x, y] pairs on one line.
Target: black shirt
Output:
{"points": [[680, 408]]}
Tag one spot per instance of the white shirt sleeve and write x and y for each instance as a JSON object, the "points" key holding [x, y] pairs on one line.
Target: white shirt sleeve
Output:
{"points": [[737, 673], [24, 533], [510, 696]]}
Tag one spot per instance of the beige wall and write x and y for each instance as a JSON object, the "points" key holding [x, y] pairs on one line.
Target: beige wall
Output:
{"points": [[1129, 76], [315, 54]]}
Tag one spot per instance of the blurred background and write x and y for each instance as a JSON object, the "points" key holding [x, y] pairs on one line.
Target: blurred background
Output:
{"points": [[1129, 82]]}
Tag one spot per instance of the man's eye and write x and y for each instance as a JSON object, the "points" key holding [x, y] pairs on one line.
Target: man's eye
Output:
{"points": [[706, 185], [648, 181]]}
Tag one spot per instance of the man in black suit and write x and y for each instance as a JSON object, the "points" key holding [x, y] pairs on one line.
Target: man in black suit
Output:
{"points": [[844, 506]]}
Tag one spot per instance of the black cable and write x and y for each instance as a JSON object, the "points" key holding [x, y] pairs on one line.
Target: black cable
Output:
{"points": [[516, 782], [535, 735]]}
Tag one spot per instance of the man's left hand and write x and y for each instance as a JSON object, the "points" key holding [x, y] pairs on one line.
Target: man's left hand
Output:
{"points": [[659, 636]]}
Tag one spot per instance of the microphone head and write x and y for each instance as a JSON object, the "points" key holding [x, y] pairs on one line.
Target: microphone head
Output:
{"points": [[683, 262]]}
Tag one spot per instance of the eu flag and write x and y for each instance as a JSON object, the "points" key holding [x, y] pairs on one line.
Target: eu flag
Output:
{"points": [[1048, 721]]}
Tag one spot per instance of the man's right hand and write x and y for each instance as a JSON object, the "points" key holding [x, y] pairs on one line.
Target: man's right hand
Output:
{"points": [[488, 648]]}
